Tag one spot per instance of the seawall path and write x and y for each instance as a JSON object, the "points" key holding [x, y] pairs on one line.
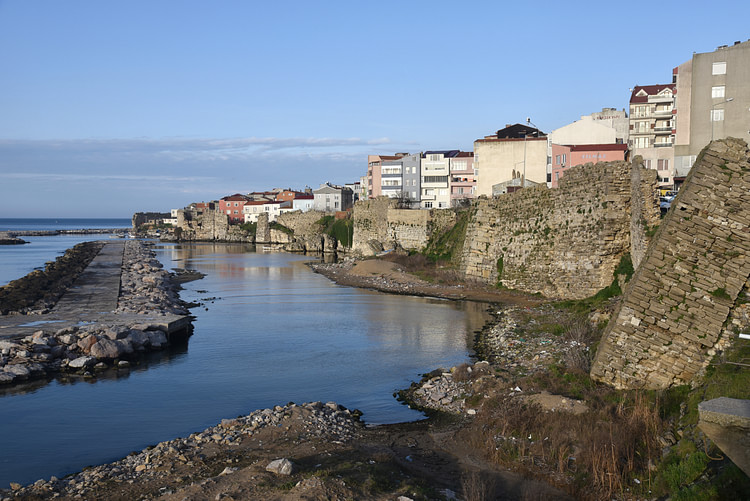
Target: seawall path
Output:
{"points": [[123, 303]]}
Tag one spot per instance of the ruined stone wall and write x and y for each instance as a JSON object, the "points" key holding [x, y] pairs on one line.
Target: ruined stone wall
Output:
{"points": [[208, 225], [408, 227], [379, 225], [307, 235], [371, 225], [563, 243], [642, 223], [670, 319], [140, 218]]}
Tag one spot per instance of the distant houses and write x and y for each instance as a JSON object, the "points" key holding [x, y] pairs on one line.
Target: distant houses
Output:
{"points": [[665, 124]]}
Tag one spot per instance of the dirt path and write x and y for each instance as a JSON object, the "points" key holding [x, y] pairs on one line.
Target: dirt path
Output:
{"points": [[386, 276]]}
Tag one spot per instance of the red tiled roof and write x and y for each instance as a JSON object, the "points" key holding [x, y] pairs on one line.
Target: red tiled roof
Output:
{"points": [[465, 154], [235, 198], [650, 90]]}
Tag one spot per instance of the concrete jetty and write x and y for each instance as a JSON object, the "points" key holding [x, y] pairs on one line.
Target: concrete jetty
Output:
{"points": [[92, 300]]}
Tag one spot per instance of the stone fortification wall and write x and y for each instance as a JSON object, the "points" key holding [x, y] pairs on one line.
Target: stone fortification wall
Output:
{"points": [[307, 234], [670, 320], [379, 225], [562, 243], [140, 218], [641, 221], [408, 227], [371, 225], [208, 225]]}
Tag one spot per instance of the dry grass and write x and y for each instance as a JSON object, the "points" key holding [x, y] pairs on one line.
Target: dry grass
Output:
{"points": [[597, 451]]}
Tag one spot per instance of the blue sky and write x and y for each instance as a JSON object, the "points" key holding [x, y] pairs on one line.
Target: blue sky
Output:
{"points": [[107, 108]]}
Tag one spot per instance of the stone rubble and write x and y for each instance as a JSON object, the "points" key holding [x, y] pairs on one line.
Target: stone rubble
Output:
{"points": [[328, 421], [146, 289]]}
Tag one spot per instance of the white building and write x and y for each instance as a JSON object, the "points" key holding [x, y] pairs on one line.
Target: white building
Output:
{"points": [[273, 208]]}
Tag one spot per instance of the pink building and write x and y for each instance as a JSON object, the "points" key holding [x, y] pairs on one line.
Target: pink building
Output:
{"points": [[462, 181], [232, 207], [564, 157]]}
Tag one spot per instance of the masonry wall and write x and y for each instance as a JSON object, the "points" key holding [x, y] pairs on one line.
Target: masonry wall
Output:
{"points": [[307, 235], [671, 317], [208, 225], [563, 243], [371, 225]]}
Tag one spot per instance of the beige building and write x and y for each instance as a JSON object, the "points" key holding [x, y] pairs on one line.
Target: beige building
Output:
{"points": [[652, 128], [713, 101], [509, 153]]}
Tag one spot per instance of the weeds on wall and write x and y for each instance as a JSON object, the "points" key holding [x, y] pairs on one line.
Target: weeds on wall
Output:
{"points": [[447, 245], [340, 229]]}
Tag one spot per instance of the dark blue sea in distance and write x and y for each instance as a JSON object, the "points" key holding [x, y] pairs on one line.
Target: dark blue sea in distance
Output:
{"points": [[38, 224], [19, 260]]}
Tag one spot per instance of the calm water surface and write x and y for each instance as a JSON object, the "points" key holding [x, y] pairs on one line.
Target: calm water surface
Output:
{"points": [[270, 332], [19, 260]]}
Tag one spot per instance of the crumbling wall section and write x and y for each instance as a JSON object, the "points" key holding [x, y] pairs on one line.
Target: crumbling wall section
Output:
{"points": [[671, 318]]}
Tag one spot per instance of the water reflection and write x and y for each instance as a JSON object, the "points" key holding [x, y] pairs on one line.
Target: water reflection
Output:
{"points": [[141, 363], [275, 333]]}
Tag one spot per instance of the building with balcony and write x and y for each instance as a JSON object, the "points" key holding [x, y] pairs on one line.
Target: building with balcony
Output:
{"points": [[713, 101], [374, 172], [435, 168], [507, 155], [653, 128], [463, 183]]}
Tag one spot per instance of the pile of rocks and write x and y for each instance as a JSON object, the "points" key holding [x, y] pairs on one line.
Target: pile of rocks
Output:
{"points": [[328, 421], [448, 391], [146, 288], [76, 350]]}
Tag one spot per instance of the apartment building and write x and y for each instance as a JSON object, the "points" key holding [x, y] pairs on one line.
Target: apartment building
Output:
{"points": [[436, 168], [332, 198], [374, 173], [653, 128], [713, 101], [462, 180]]}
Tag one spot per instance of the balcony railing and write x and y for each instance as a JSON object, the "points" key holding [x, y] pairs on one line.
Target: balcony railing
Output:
{"points": [[663, 113], [663, 130], [662, 145]]}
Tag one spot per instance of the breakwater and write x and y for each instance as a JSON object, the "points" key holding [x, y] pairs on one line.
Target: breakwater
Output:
{"points": [[123, 304]]}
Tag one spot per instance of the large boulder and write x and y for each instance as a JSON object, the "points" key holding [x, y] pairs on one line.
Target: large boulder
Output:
{"points": [[106, 348]]}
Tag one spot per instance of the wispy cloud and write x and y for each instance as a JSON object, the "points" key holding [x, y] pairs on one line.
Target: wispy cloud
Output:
{"points": [[206, 146], [61, 177]]}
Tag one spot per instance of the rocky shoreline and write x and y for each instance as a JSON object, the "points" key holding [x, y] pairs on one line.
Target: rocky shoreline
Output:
{"points": [[291, 452], [185, 468], [145, 289]]}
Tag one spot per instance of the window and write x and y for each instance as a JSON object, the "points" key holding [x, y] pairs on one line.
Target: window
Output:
{"points": [[640, 142], [436, 158], [443, 191], [428, 205], [719, 68], [717, 115], [662, 164], [557, 159], [414, 195], [229, 211], [640, 127], [717, 91]]}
